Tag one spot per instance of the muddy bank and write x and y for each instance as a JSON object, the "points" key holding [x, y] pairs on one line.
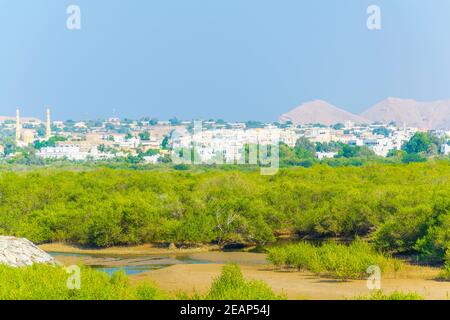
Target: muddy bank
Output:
{"points": [[296, 285], [145, 249], [133, 264], [240, 258], [193, 270], [119, 261]]}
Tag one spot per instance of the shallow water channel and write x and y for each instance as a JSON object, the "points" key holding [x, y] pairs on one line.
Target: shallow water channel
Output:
{"points": [[131, 264]]}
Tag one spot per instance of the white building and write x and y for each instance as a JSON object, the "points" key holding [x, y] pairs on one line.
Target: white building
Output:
{"points": [[445, 149], [152, 159], [356, 142], [73, 152], [324, 155], [63, 152], [228, 145]]}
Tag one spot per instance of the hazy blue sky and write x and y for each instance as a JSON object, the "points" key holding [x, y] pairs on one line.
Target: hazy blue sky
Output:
{"points": [[230, 59]]}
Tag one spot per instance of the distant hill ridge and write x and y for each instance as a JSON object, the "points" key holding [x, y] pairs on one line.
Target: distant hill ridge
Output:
{"points": [[320, 111], [425, 115], [25, 119]]}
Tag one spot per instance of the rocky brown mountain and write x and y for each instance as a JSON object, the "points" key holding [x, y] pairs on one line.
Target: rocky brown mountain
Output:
{"points": [[426, 115], [319, 111]]}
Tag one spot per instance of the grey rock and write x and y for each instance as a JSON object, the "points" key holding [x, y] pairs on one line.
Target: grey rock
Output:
{"points": [[17, 252]]}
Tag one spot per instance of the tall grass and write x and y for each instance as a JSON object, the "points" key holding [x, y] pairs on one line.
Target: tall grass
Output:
{"points": [[444, 275], [396, 295], [43, 282], [231, 285], [334, 260]]}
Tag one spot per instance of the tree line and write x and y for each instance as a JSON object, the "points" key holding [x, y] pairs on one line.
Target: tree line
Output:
{"points": [[398, 207]]}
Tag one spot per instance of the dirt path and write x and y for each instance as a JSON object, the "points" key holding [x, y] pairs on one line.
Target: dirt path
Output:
{"points": [[296, 285]]}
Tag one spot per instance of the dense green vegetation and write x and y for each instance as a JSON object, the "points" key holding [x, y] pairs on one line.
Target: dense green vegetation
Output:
{"points": [[43, 282], [334, 260], [399, 207]]}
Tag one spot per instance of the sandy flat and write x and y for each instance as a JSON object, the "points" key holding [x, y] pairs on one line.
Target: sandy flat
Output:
{"points": [[145, 249], [296, 285], [234, 257], [192, 278]]}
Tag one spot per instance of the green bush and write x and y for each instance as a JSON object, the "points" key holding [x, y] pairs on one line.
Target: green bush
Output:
{"points": [[331, 259], [444, 275], [231, 285], [436, 239], [401, 231], [396, 295], [43, 282]]}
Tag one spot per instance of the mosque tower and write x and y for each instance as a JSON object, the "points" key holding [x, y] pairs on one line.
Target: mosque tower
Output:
{"points": [[48, 129], [18, 126]]}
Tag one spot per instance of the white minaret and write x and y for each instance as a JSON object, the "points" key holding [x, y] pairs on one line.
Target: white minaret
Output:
{"points": [[48, 129], [18, 127]]}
